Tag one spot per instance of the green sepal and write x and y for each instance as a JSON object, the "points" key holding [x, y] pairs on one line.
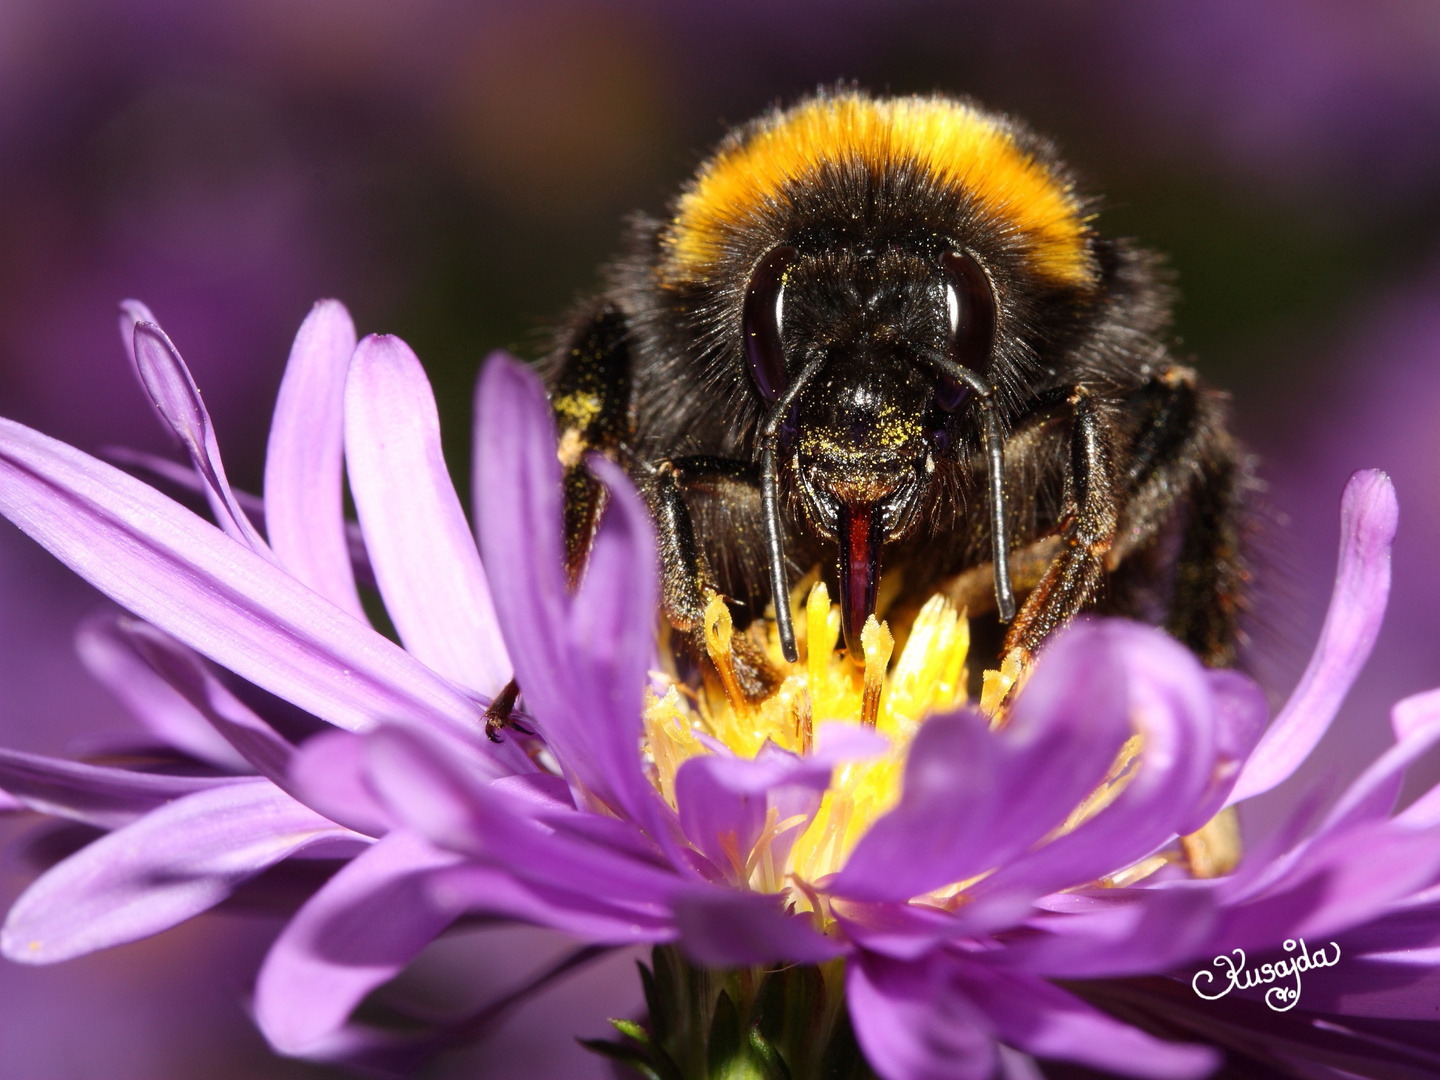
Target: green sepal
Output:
{"points": [[787, 1023], [626, 1055], [723, 1046]]}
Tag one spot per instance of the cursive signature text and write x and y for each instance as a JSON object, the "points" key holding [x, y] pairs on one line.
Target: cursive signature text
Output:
{"points": [[1238, 977]]}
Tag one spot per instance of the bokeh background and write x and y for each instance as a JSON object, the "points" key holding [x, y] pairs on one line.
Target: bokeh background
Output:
{"points": [[456, 171]]}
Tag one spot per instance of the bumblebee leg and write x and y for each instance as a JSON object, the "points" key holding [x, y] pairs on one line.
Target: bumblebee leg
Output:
{"points": [[590, 393], [591, 397], [1091, 514], [1184, 468], [687, 581], [1211, 575], [1186, 460]]}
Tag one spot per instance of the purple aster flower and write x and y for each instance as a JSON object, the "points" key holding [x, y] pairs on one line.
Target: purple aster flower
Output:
{"points": [[979, 887]]}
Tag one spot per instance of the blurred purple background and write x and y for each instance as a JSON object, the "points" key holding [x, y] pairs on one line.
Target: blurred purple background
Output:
{"points": [[454, 172]]}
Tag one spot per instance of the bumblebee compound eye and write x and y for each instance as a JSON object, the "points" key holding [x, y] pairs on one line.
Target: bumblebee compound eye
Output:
{"points": [[970, 307], [764, 298]]}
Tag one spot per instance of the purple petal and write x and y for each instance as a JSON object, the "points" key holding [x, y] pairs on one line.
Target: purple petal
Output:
{"points": [[362, 927], [1416, 721], [420, 545], [304, 518], [186, 478], [429, 787], [177, 398], [1388, 968], [170, 865], [1240, 715], [1342, 879], [109, 655], [95, 794], [912, 1025], [1045, 1021], [1369, 515], [900, 931], [1171, 701], [724, 795], [329, 774], [973, 798], [1139, 932], [259, 745], [581, 661], [495, 893], [724, 927], [132, 313], [168, 566]]}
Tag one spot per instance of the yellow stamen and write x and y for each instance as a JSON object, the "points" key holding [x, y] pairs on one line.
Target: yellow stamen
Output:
{"points": [[1214, 849], [875, 639], [995, 685], [719, 629]]}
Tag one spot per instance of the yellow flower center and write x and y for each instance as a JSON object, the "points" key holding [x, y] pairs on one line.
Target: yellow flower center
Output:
{"points": [[825, 686]]}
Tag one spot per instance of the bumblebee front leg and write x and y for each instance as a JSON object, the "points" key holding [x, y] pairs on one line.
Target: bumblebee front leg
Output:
{"points": [[1088, 533], [687, 582]]}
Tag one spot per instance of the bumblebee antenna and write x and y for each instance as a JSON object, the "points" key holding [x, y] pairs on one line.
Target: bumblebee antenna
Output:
{"points": [[770, 503], [995, 468]]}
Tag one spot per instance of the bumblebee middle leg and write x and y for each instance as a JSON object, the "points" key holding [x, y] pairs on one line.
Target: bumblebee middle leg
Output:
{"points": [[1090, 517], [1183, 468], [1187, 465]]}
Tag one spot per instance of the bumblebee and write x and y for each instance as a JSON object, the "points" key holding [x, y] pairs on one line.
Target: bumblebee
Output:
{"points": [[884, 333]]}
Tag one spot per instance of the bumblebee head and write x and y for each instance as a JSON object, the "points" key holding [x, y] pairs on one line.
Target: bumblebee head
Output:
{"points": [[874, 273]]}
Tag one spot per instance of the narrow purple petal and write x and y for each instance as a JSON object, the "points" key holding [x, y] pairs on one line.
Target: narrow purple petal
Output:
{"points": [[581, 661], [420, 545], [330, 774], [973, 798], [95, 794], [724, 927], [495, 893], [1172, 703], [177, 398], [108, 653], [1416, 721], [1342, 879], [132, 313], [168, 566], [912, 1026], [725, 796], [1138, 933], [259, 745], [900, 931], [304, 518], [1240, 715], [358, 931], [1369, 515], [166, 867], [429, 787], [1045, 1021], [186, 478]]}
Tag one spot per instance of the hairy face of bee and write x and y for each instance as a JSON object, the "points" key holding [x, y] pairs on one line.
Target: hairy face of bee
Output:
{"points": [[871, 248]]}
